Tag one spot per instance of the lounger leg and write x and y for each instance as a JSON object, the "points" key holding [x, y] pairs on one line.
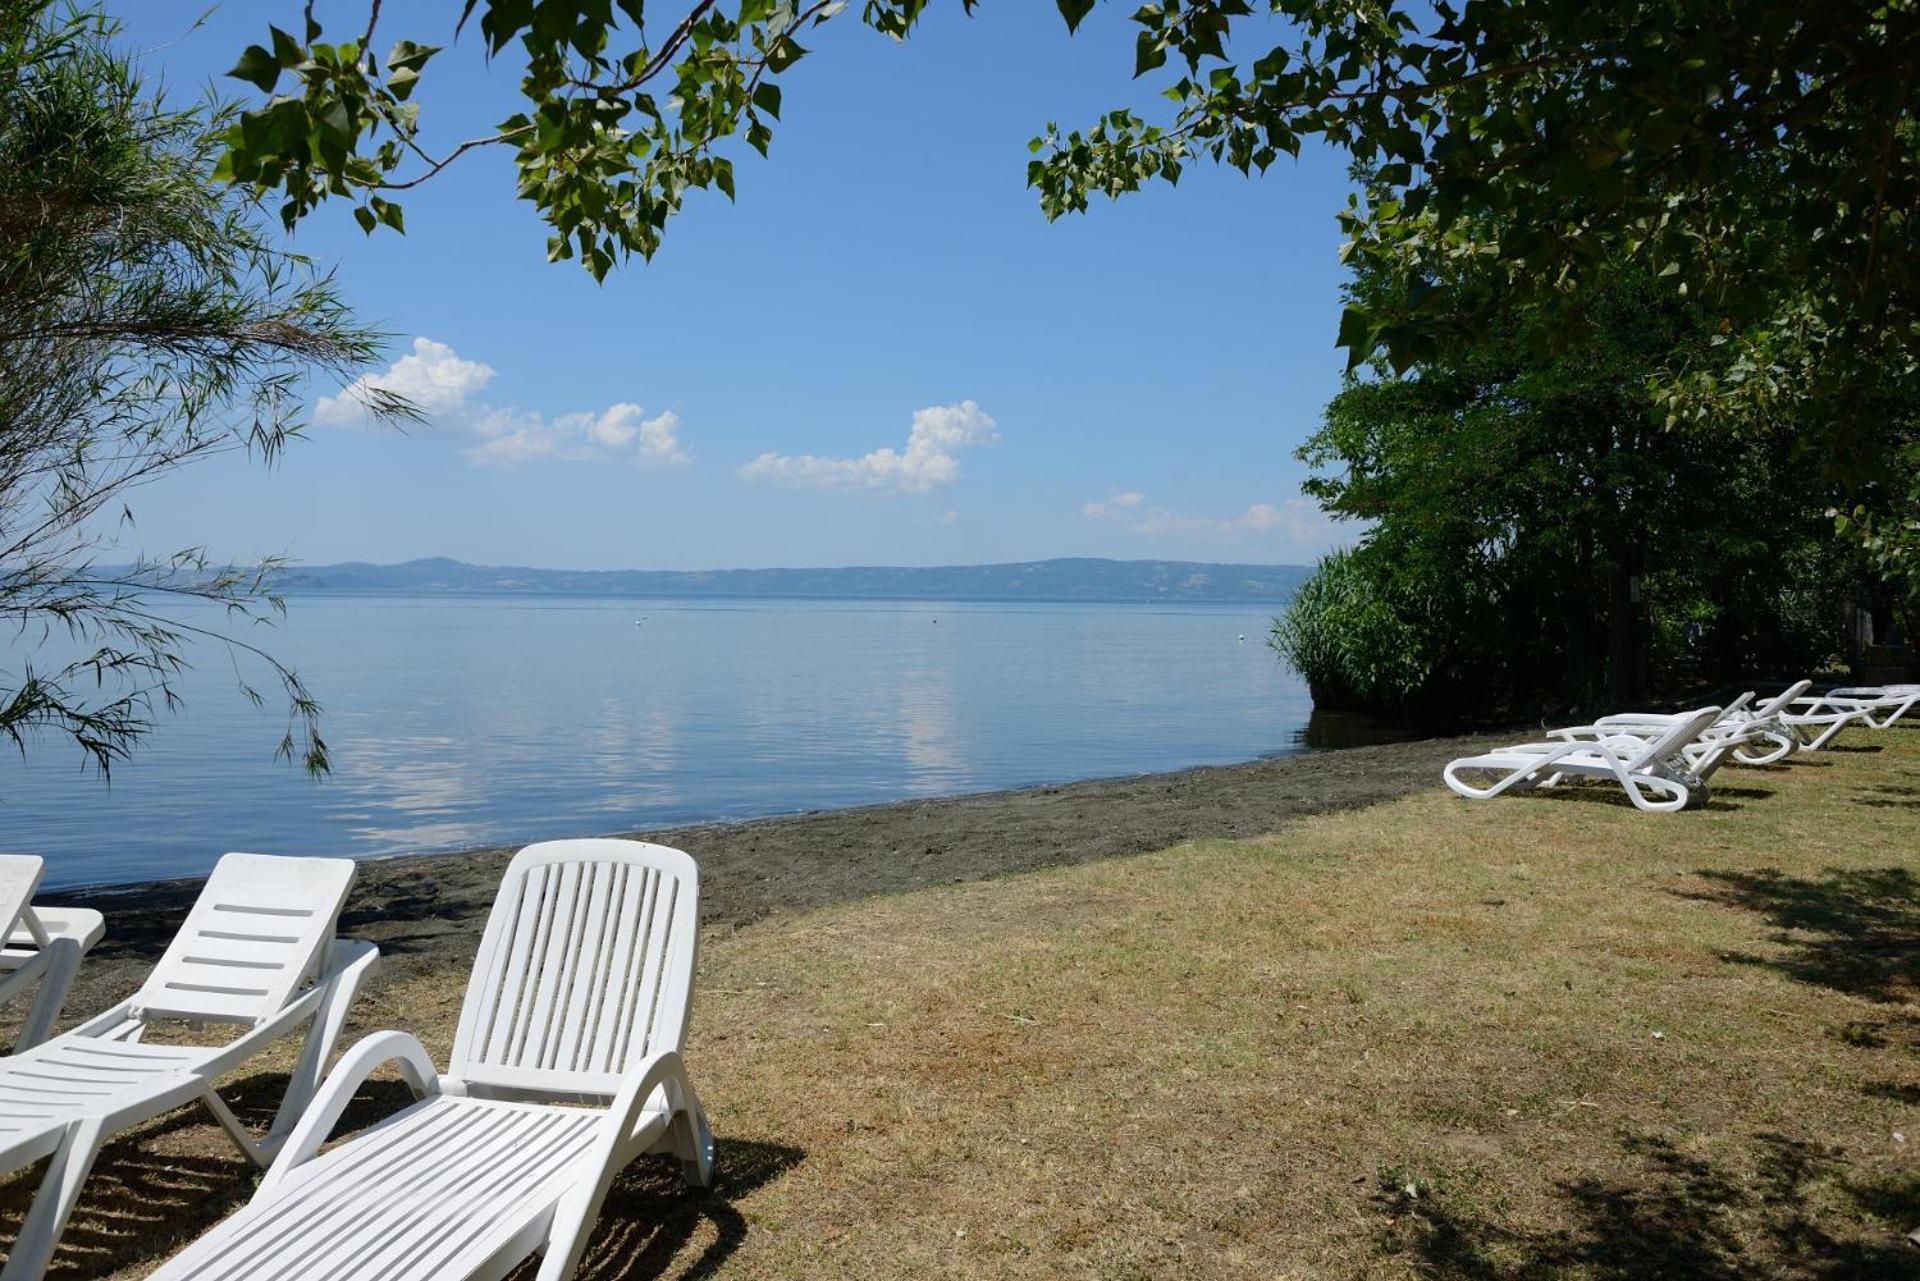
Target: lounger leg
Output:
{"points": [[1826, 735], [322, 1034], [254, 1151], [1519, 780], [1637, 786], [53, 1203], [573, 1221], [62, 963]]}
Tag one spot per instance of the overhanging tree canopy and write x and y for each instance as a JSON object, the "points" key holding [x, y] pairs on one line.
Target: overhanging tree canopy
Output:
{"points": [[1757, 156], [147, 322]]}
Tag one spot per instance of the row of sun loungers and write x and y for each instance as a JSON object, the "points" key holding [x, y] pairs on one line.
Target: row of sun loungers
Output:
{"points": [[565, 1067], [1663, 761]]}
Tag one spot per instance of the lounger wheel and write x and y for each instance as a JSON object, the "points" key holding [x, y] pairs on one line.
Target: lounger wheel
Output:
{"points": [[696, 1169]]}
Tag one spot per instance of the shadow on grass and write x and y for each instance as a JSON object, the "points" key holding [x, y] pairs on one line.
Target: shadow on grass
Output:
{"points": [[1890, 796], [1857, 931], [1858, 749], [159, 1187], [1893, 1091], [1678, 1216], [650, 1219], [1607, 794]]}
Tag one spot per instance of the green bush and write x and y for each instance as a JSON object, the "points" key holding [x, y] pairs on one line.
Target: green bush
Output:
{"points": [[1343, 635]]}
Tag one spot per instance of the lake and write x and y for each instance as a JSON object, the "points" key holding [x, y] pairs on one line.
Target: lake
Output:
{"points": [[457, 721]]}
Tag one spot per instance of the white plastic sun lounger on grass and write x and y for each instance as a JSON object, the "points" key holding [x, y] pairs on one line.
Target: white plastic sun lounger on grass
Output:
{"points": [[1780, 740], [1652, 771], [579, 995], [1885, 704], [1747, 734], [1817, 719], [39, 945], [257, 950]]}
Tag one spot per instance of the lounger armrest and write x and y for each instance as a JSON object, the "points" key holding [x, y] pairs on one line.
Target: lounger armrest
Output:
{"points": [[663, 1070], [355, 1066], [613, 1146]]}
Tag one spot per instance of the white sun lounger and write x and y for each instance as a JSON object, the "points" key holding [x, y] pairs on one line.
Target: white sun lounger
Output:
{"points": [[42, 945], [1653, 771], [1817, 719], [1886, 704], [1781, 739], [579, 995], [257, 950], [1749, 735]]}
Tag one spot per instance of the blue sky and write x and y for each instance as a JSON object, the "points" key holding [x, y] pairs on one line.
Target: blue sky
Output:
{"points": [[881, 354]]}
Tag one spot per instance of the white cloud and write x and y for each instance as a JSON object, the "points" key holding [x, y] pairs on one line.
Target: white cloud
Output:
{"points": [[1298, 521], [512, 436], [445, 387], [432, 377], [1113, 504], [949, 517], [939, 432]]}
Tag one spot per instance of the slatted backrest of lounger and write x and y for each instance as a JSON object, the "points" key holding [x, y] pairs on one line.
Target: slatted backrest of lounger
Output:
{"points": [[1738, 704], [19, 878], [1779, 703], [258, 931], [586, 966], [1680, 733]]}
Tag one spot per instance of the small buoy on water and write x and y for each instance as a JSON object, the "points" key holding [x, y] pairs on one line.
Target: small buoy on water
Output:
{"points": [[1243, 638]]}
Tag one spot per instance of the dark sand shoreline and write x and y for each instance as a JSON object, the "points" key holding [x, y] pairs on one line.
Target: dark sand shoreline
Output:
{"points": [[425, 911]]}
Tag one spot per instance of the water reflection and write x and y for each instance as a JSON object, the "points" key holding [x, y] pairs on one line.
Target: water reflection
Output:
{"points": [[928, 722], [467, 721], [1332, 730]]}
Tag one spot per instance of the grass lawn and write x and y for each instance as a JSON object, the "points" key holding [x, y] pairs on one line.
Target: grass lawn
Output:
{"points": [[1539, 1037]]}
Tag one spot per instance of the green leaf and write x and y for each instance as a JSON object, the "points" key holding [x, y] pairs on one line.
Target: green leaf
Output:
{"points": [[1073, 11], [1149, 51], [286, 50], [1356, 335], [364, 216], [766, 96], [408, 56], [784, 54], [258, 68]]}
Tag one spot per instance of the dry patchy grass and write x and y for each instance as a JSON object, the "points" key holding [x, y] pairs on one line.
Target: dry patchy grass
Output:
{"points": [[1542, 1037]]}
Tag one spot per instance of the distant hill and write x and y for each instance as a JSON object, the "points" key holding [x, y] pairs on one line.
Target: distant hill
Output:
{"points": [[1074, 579]]}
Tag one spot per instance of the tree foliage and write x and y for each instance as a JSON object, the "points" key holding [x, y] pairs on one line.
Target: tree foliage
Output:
{"points": [[146, 323], [618, 119], [1538, 539], [1758, 158]]}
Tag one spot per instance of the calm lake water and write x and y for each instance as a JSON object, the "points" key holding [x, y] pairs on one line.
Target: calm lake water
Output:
{"points": [[465, 721]]}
